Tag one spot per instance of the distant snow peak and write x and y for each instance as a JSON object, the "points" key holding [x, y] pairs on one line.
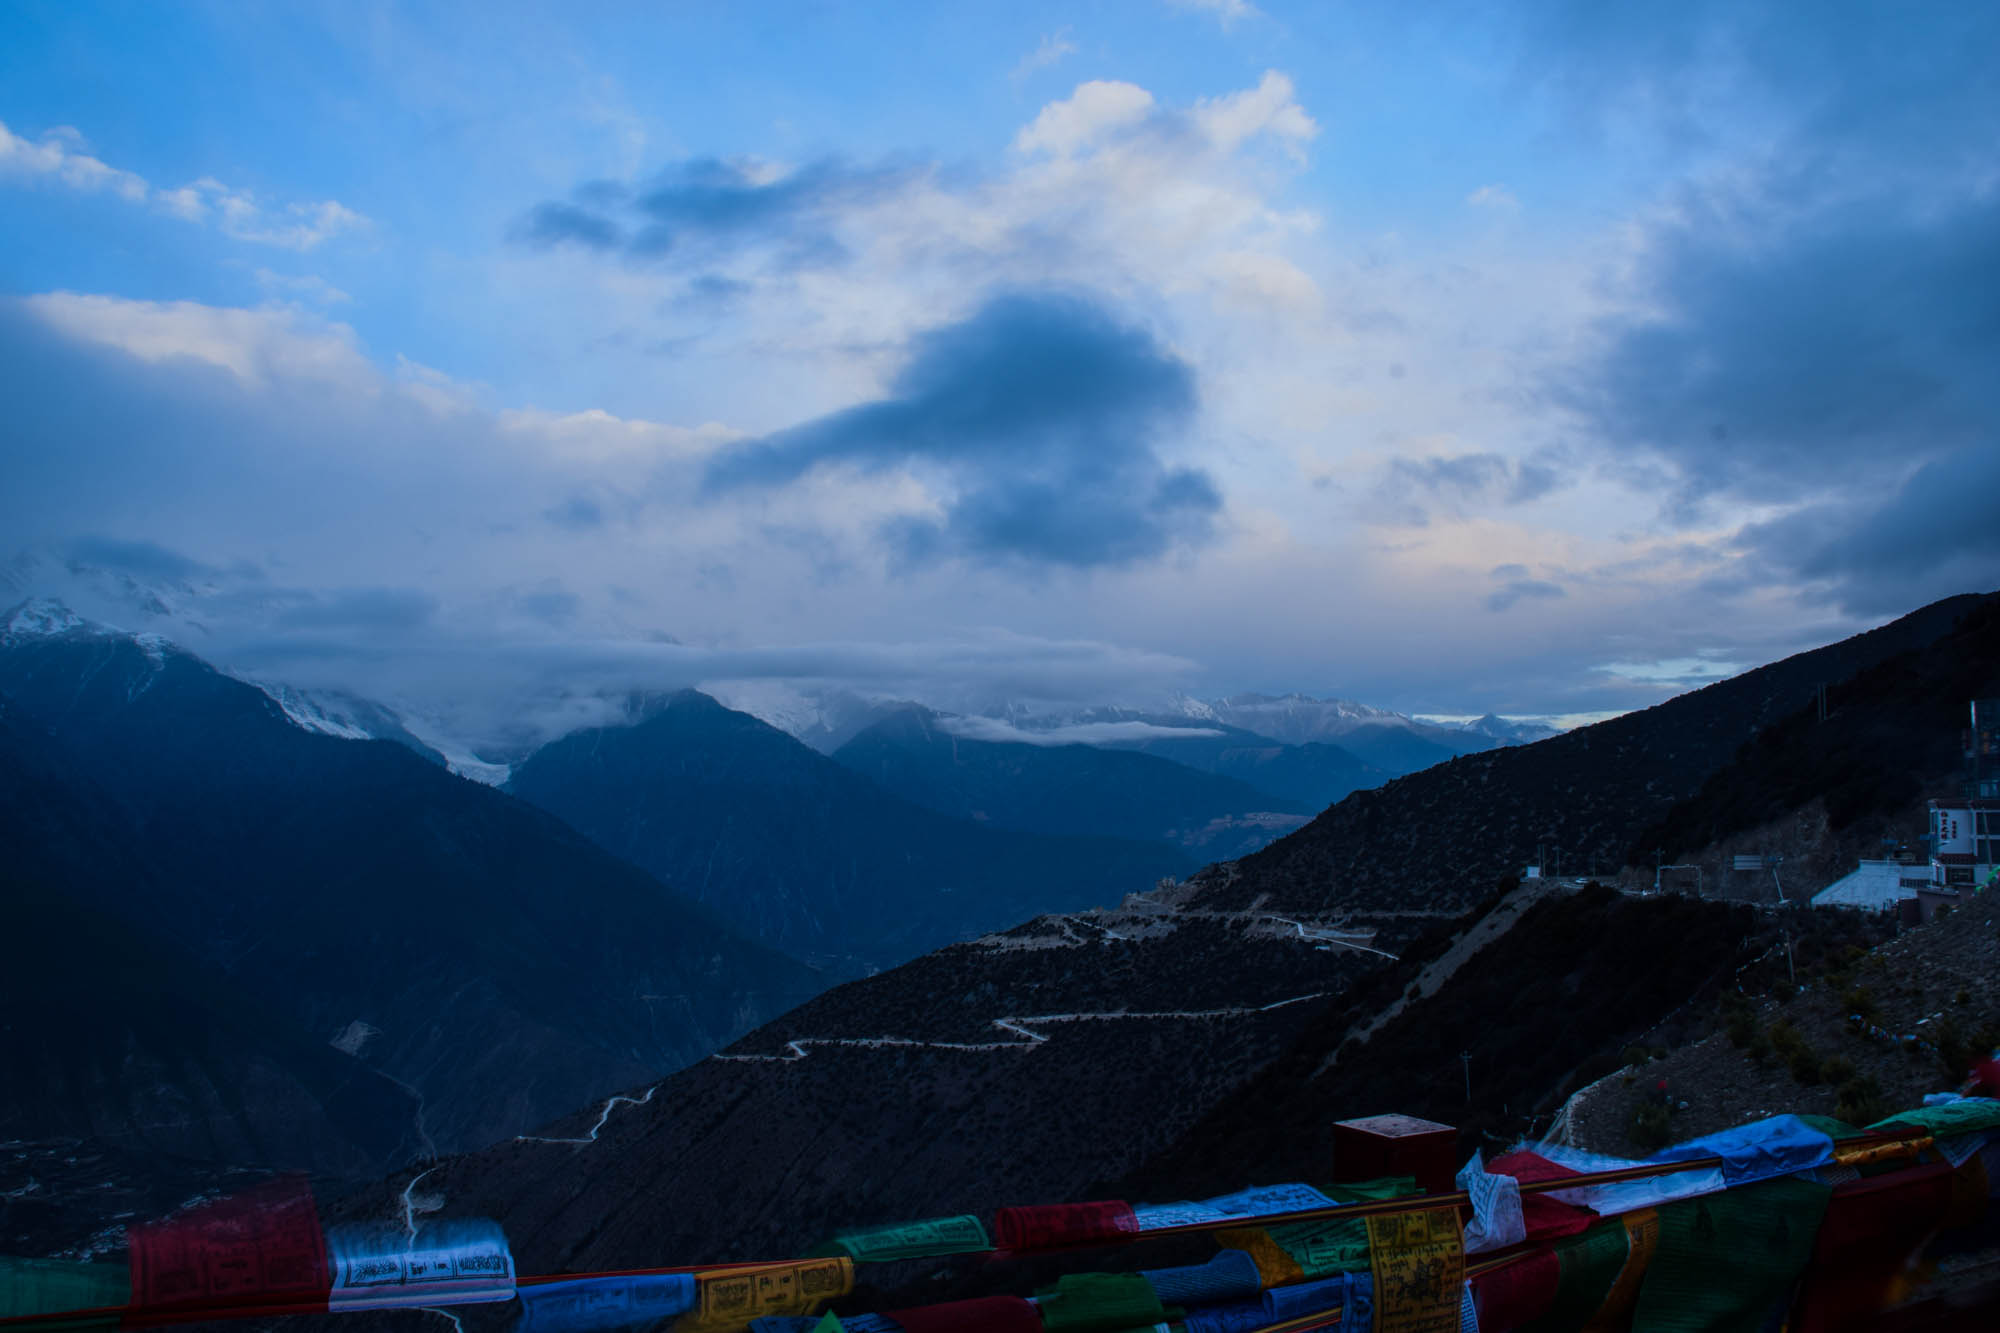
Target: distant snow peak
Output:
{"points": [[474, 769], [316, 713], [1069, 733], [44, 617]]}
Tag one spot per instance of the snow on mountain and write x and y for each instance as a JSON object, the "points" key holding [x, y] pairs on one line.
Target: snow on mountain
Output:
{"points": [[44, 617], [1297, 719], [823, 719]]}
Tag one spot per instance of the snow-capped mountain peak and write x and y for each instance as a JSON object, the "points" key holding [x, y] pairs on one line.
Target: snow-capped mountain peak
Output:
{"points": [[45, 617]]}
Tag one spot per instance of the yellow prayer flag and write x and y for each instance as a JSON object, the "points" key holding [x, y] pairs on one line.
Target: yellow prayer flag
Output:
{"points": [[1642, 1235], [727, 1299], [1419, 1265]]}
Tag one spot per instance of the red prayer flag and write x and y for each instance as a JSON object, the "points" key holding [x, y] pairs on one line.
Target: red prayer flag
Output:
{"points": [[1871, 1228], [1516, 1293], [1546, 1218], [261, 1247], [1056, 1226], [994, 1314]]}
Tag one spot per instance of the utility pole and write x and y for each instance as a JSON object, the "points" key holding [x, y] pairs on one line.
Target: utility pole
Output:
{"points": [[1790, 971], [1777, 861], [1466, 1058], [1659, 858]]}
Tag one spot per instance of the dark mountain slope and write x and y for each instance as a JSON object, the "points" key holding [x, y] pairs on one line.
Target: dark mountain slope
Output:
{"points": [[805, 853], [1401, 750], [1018, 1067], [1594, 958], [1073, 789], [1315, 774], [1435, 836], [464, 943], [1890, 739], [116, 1034]]}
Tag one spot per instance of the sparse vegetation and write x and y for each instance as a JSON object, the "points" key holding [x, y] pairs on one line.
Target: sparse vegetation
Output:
{"points": [[1651, 1125]]}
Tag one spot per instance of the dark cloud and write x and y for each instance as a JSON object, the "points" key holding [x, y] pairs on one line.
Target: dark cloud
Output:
{"points": [[552, 606], [552, 224], [1793, 354], [142, 558], [1480, 478], [709, 207], [1042, 411], [1938, 534], [361, 608], [1516, 588], [579, 513]]}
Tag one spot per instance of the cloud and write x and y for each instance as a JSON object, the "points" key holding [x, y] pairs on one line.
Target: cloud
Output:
{"points": [[709, 208], [556, 223], [253, 345], [1050, 51], [1230, 12], [302, 286], [59, 156], [1461, 480], [370, 609], [1517, 588], [146, 559], [1935, 535], [1496, 197], [1081, 733], [1042, 413], [1781, 353], [1094, 111]]}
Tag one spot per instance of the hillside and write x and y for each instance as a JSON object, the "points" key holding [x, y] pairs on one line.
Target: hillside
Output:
{"points": [[1071, 789], [493, 961], [118, 1034], [1315, 774], [1889, 740], [1435, 836], [1804, 1050], [804, 853]]}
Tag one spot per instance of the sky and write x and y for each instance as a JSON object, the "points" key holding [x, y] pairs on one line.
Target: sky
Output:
{"points": [[1543, 358]]}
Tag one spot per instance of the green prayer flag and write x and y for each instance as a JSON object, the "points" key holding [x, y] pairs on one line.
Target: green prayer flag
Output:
{"points": [[1100, 1303], [53, 1287], [1968, 1116], [1338, 1245], [1837, 1130], [828, 1324], [1725, 1260], [1591, 1262], [908, 1240]]}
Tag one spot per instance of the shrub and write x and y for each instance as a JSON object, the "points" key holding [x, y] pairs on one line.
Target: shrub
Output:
{"points": [[1860, 1000], [1804, 1065], [1837, 1070], [1859, 1101], [1651, 1126], [1637, 1055]]}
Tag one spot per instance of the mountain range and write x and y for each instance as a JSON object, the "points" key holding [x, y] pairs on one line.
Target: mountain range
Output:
{"points": [[356, 899], [805, 853]]}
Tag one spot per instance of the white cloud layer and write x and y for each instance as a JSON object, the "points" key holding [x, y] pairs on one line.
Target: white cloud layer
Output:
{"points": [[60, 156]]}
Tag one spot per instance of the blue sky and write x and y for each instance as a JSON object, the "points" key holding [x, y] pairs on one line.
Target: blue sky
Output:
{"points": [[1521, 357]]}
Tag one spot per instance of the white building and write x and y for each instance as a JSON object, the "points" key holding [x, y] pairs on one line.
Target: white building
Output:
{"points": [[1874, 886]]}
